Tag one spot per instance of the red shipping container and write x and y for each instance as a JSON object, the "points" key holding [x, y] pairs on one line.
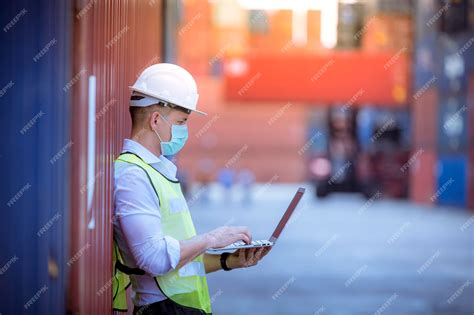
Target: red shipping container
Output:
{"points": [[425, 119], [422, 175], [113, 41]]}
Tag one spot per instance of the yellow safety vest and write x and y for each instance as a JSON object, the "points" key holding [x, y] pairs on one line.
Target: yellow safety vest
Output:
{"points": [[186, 286]]}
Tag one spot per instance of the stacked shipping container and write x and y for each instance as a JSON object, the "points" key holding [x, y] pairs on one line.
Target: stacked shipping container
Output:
{"points": [[35, 155], [441, 120]]}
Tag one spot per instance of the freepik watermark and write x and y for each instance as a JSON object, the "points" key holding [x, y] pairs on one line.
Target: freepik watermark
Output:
{"points": [[442, 189], [18, 195], [398, 233], [9, 263], [283, 288], [353, 99], [105, 287], [105, 109], [264, 188], [438, 14], [17, 17], [86, 9], [45, 49], [340, 172], [412, 160], [309, 143], [74, 80], [249, 83], [190, 24], [236, 156], [326, 245], [322, 70], [61, 152], [207, 126], [8, 86], [454, 118], [429, 262], [386, 304], [91, 181], [369, 202], [465, 47], [425, 87], [152, 61], [365, 27], [218, 56], [382, 129], [78, 255], [279, 114], [31, 122], [458, 292], [35, 297], [394, 59], [48, 224], [467, 224], [355, 276]]}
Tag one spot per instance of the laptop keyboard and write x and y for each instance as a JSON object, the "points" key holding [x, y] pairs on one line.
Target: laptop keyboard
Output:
{"points": [[255, 243]]}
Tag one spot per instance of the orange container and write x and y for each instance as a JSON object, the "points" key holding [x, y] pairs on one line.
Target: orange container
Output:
{"points": [[337, 77]]}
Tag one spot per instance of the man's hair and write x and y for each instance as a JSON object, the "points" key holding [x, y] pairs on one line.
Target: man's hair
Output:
{"points": [[140, 114]]}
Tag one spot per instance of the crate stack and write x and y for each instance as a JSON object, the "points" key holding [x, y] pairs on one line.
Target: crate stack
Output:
{"points": [[442, 104]]}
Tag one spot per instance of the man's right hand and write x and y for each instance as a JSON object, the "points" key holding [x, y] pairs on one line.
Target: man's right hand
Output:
{"points": [[226, 235]]}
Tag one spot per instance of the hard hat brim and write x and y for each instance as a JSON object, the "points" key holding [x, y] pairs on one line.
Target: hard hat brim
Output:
{"points": [[166, 100]]}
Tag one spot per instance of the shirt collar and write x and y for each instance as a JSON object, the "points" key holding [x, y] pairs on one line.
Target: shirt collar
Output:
{"points": [[161, 163], [135, 147]]}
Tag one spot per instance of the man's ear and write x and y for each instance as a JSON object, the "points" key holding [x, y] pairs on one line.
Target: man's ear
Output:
{"points": [[154, 119]]}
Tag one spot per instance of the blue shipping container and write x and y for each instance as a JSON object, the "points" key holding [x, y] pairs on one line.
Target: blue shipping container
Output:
{"points": [[451, 180], [35, 146]]}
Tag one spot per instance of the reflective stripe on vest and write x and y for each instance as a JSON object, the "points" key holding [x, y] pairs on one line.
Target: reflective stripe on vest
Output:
{"points": [[186, 286]]}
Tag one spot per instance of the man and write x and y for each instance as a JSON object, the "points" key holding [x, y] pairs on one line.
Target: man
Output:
{"points": [[156, 248]]}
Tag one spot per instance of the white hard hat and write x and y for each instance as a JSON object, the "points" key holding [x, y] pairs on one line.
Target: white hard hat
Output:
{"points": [[166, 82]]}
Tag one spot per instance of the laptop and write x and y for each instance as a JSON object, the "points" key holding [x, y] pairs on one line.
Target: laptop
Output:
{"points": [[265, 243]]}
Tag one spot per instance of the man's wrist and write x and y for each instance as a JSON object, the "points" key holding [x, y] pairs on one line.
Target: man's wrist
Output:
{"points": [[208, 241], [224, 260]]}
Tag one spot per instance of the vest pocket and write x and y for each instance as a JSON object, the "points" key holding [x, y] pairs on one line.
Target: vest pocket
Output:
{"points": [[178, 205], [193, 268]]}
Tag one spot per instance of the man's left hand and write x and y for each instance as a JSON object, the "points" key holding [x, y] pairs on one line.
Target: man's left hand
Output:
{"points": [[247, 257]]}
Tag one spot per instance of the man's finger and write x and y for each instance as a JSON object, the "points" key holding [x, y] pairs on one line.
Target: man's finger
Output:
{"points": [[259, 253], [250, 255], [266, 251], [245, 238]]}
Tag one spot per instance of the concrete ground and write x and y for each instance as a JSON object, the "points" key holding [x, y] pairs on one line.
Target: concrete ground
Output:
{"points": [[344, 255]]}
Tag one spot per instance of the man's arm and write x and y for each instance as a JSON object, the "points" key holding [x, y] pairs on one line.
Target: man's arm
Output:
{"points": [[242, 258], [138, 219], [212, 263], [138, 213], [220, 237]]}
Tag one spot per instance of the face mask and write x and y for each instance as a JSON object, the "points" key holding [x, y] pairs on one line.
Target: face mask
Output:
{"points": [[179, 135]]}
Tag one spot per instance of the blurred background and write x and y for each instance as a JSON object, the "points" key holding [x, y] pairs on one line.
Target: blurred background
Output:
{"points": [[366, 104]]}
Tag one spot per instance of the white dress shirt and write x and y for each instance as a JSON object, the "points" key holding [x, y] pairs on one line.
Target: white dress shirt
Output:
{"points": [[137, 223]]}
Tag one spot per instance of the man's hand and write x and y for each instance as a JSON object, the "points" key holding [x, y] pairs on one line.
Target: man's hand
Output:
{"points": [[247, 257], [226, 235]]}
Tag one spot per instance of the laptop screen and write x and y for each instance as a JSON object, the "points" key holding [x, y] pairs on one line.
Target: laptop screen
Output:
{"points": [[288, 213]]}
